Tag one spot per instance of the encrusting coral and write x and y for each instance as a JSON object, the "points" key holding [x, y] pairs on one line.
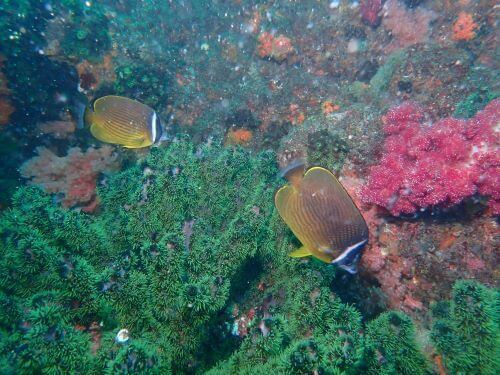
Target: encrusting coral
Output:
{"points": [[183, 240], [276, 48]]}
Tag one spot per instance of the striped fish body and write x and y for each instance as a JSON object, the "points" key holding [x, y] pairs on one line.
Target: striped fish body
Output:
{"points": [[324, 218], [123, 121]]}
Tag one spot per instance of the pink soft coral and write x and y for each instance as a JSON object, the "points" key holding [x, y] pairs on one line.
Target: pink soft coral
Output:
{"points": [[442, 164], [74, 175]]}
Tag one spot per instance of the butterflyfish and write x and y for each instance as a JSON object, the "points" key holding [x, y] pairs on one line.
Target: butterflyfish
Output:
{"points": [[322, 215], [123, 121]]}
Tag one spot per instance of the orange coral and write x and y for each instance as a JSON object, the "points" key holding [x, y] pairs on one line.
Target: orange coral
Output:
{"points": [[296, 116], [329, 107], [439, 363], [74, 176], [463, 28], [238, 137], [275, 48]]}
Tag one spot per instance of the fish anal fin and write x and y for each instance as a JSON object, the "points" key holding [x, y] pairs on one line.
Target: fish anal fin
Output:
{"points": [[300, 252]]}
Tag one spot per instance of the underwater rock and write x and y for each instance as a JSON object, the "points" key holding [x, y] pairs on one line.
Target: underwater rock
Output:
{"points": [[317, 141], [57, 129]]}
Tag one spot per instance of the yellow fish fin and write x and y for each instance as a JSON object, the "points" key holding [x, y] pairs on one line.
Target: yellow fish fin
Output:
{"points": [[300, 252]]}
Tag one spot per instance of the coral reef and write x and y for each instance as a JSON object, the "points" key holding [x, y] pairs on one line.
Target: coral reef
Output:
{"points": [[130, 265], [391, 346], [88, 37], [317, 141], [238, 136], [93, 75], [425, 166], [301, 327], [148, 84], [185, 252], [183, 241], [74, 175]]}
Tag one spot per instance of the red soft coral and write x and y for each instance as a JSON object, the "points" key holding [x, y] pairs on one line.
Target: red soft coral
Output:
{"points": [[441, 164], [370, 11], [74, 175]]}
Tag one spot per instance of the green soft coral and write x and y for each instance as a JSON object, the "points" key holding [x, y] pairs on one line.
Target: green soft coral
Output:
{"points": [[391, 347], [181, 239], [137, 261], [466, 329]]}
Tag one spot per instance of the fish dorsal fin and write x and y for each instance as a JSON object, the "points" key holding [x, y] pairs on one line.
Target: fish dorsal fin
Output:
{"points": [[300, 252]]}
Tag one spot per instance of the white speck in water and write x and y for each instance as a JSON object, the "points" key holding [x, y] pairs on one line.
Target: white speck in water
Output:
{"points": [[353, 45], [334, 4]]}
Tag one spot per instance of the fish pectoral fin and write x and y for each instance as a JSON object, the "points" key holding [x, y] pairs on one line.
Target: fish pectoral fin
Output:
{"points": [[300, 253]]}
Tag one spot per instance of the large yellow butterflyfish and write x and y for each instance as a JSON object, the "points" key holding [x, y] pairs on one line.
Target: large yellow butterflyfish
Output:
{"points": [[322, 215]]}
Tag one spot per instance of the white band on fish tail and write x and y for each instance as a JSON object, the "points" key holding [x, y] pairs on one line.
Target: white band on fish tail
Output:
{"points": [[153, 126], [349, 250]]}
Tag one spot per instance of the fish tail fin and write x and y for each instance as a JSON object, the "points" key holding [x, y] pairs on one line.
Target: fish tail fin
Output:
{"points": [[300, 253], [349, 259]]}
